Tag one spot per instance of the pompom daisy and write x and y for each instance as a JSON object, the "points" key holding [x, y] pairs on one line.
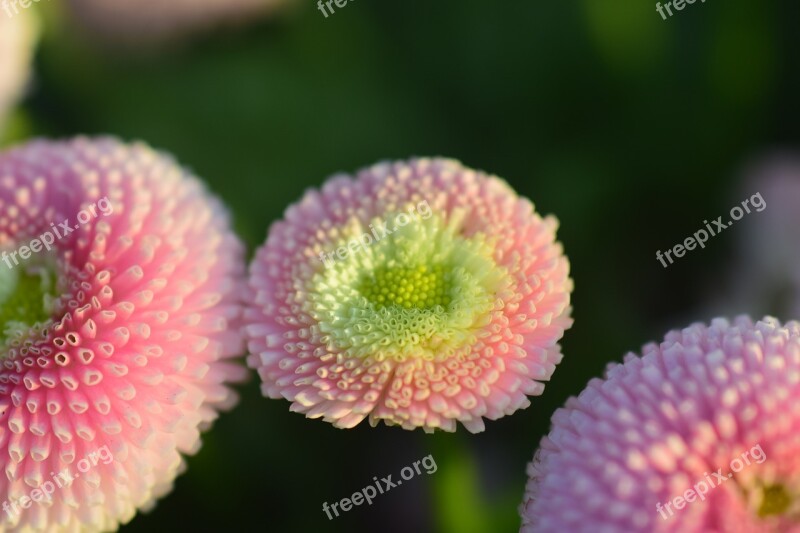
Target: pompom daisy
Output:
{"points": [[150, 21], [120, 289], [700, 434], [18, 36], [420, 293]]}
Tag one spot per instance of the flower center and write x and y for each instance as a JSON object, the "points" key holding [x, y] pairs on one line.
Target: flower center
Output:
{"points": [[424, 292], [776, 500], [26, 297], [420, 287]]}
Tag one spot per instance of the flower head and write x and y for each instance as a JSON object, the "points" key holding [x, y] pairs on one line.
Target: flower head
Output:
{"points": [[697, 435], [420, 293], [120, 288]]}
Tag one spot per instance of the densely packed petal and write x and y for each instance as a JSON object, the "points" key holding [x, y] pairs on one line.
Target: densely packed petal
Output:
{"points": [[120, 309], [700, 434], [420, 293]]}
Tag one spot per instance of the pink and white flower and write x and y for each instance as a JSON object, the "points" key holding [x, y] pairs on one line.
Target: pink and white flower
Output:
{"points": [[445, 302], [660, 424], [120, 335]]}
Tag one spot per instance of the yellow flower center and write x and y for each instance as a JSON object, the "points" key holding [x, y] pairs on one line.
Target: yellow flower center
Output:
{"points": [[776, 501], [423, 292], [418, 287]]}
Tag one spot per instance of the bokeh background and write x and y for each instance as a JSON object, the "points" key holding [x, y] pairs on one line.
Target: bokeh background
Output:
{"points": [[629, 128]]}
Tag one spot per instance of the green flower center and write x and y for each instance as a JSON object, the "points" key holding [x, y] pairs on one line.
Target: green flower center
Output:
{"points": [[26, 298], [776, 500], [423, 292], [420, 287]]}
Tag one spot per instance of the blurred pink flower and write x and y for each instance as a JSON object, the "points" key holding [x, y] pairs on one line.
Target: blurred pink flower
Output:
{"points": [[420, 293], [18, 36], [144, 21], [119, 336], [659, 424]]}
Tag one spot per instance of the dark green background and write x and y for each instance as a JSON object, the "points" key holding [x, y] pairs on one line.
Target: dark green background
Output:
{"points": [[630, 129]]}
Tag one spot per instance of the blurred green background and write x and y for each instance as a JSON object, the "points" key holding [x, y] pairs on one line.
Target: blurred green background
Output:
{"points": [[628, 128]]}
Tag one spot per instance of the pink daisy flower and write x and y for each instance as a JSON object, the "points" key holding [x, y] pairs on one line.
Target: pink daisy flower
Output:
{"points": [[117, 337], [697, 435], [419, 293], [18, 36], [142, 21]]}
